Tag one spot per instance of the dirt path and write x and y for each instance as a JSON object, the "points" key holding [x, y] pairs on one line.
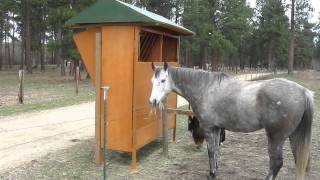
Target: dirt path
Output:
{"points": [[31, 136]]}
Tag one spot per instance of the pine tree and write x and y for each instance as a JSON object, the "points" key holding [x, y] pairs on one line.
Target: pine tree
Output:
{"points": [[273, 31], [304, 46], [300, 11]]}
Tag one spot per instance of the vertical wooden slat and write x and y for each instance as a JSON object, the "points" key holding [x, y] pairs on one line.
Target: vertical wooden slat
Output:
{"points": [[175, 117], [98, 150], [164, 116], [134, 115], [117, 72]]}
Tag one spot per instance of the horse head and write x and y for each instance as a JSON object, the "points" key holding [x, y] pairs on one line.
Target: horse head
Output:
{"points": [[197, 133], [161, 85]]}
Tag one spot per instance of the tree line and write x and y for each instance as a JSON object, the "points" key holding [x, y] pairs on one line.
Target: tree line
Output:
{"points": [[228, 32], [37, 28]]}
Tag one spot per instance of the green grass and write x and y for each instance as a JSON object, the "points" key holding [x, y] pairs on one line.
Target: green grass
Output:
{"points": [[42, 90]]}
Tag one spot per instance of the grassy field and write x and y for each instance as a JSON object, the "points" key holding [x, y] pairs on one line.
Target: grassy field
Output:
{"points": [[243, 155], [42, 90]]}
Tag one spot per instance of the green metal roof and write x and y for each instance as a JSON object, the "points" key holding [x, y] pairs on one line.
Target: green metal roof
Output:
{"points": [[115, 11]]}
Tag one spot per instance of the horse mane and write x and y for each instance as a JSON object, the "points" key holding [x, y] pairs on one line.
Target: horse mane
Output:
{"points": [[197, 76]]}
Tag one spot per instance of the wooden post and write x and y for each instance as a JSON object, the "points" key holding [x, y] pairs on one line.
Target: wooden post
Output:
{"points": [[20, 93], [174, 132], [105, 126], [164, 116], [77, 79], [98, 149], [134, 160]]}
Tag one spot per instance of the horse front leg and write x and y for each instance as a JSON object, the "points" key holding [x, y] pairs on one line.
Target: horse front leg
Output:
{"points": [[212, 137]]}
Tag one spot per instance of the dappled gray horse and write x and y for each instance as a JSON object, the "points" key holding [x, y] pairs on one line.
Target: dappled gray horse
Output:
{"points": [[283, 108]]}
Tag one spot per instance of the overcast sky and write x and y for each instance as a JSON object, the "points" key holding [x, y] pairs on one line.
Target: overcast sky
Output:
{"points": [[314, 3]]}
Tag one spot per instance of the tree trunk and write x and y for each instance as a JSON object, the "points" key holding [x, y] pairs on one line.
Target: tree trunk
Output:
{"points": [[215, 59], [52, 58], [1, 39], [59, 53], [1, 57], [241, 59], [23, 43], [5, 55], [8, 55], [28, 39], [13, 46], [42, 40], [42, 54], [291, 53], [187, 59], [270, 55], [202, 55], [205, 59], [23, 47], [291, 41], [7, 44]]}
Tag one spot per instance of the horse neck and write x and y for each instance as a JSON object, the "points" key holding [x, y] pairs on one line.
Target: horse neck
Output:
{"points": [[189, 83]]}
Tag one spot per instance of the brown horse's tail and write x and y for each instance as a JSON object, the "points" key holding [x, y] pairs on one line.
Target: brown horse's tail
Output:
{"points": [[300, 139]]}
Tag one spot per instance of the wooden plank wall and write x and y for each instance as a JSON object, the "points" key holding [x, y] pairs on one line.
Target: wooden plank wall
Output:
{"points": [[117, 65]]}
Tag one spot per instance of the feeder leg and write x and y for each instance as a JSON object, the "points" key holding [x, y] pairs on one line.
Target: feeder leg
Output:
{"points": [[98, 149], [164, 116], [134, 160], [174, 130]]}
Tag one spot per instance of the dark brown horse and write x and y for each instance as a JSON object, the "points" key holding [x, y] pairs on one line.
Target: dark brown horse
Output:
{"points": [[198, 134]]}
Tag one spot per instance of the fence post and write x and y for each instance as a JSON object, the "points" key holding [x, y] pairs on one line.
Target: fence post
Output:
{"points": [[77, 79], [21, 79], [105, 126], [164, 116]]}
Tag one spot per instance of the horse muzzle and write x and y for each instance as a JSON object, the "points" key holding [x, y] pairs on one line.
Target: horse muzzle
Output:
{"points": [[153, 102]]}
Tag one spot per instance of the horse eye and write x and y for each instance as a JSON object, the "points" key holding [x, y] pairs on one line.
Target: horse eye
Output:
{"points": [[163, 80]]}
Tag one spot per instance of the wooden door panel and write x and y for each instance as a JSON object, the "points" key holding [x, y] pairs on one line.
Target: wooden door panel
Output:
{"points": [[117, 72]]}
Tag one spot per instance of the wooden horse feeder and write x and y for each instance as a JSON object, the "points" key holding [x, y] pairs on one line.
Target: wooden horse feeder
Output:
{"points": [[117, 43]]}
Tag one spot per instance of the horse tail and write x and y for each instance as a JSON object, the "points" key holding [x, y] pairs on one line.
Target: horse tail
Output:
{"points": [[300, 139]]}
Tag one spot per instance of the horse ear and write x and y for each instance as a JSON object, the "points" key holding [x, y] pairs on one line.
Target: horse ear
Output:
{"points": [[165, 65], [153, 67]]}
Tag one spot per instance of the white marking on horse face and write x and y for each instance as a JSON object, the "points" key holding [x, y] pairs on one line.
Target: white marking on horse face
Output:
{"points": [[160, 87]]}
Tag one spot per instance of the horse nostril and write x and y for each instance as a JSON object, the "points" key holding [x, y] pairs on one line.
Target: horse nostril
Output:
{"points": [[153, 102]]}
